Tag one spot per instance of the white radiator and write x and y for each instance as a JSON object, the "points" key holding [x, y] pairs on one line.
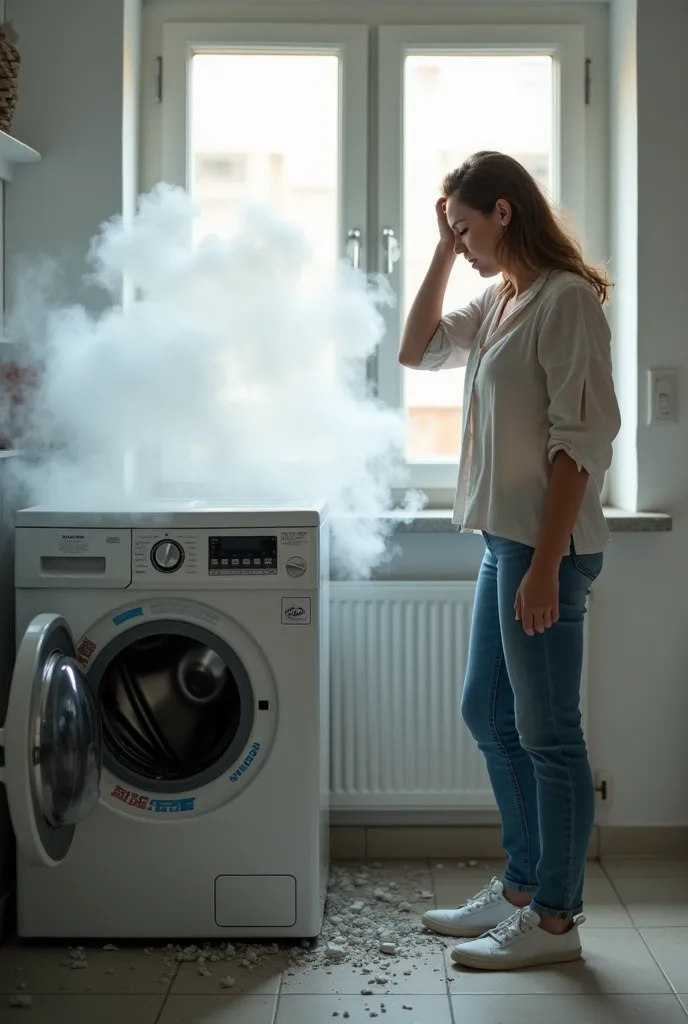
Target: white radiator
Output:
{"points": [[398, 655]]}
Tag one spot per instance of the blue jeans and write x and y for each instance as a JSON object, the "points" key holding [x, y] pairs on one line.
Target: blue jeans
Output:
{"points": [[521, 702]]}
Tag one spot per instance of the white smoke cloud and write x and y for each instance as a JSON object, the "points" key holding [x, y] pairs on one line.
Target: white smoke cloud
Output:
{"points": [[237, 374]]}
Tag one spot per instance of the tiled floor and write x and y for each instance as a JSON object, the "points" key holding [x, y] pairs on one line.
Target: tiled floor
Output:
{"points": [[635, 971]]}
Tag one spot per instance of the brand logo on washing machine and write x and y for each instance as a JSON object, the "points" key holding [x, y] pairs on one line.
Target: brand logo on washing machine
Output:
{"points": [[246, 763]]}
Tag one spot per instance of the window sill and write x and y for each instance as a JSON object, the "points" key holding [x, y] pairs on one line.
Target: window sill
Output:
{"points": [[440, 521]]}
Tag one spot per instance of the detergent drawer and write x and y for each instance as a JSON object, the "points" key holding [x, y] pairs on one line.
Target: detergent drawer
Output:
{"points": [[63, 558]]}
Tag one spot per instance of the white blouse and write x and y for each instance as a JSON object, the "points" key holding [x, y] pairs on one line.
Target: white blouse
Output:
{"points": [[538, 382]]}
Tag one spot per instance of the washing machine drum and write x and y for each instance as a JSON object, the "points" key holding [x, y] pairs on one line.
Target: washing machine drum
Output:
{"points": [[170, 707]]}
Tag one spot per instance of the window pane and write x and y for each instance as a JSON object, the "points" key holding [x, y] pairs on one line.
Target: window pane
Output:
{"points": [[453, 106], [265, 128]]}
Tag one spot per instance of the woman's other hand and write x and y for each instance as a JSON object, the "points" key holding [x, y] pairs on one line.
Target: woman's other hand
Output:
{"points": [[537, 600]]}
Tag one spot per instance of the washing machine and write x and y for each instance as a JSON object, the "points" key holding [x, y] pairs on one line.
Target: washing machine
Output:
{"points": [[166, 740]]}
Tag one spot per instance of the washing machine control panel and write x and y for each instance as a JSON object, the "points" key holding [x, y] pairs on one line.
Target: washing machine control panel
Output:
{"points": [[174, 558], [242, 556]]}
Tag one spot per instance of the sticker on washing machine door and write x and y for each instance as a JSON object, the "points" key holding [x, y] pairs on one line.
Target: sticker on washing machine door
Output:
{"points": [[85, 651], [142, 802], [184, 609], [131, 613], [296, 611]]}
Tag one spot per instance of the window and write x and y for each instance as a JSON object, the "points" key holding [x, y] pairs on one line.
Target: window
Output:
{"points": [[263, 146], [282, 111], [473, 87], [269, 112], [446, 94]]}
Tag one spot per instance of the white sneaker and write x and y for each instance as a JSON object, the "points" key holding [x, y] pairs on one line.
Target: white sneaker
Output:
{"points": [[482, 912], [519, 942]]}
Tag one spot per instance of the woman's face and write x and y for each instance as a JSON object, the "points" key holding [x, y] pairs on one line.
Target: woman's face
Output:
{"points": [[477, 235]]}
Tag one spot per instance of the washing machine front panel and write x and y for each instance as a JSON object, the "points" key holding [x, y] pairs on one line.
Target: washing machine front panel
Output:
{"points": [[262, 815], [189, 706], [53, 745]]}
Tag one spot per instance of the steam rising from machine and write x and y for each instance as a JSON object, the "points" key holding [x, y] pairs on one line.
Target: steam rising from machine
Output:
{"points": [[236, 373]]}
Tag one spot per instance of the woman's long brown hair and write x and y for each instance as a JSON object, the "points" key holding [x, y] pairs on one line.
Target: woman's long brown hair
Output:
{"points": [[533, 236]]}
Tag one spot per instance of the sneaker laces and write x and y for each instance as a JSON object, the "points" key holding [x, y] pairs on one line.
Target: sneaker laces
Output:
{"points": [[518, 924], [484, 897]]}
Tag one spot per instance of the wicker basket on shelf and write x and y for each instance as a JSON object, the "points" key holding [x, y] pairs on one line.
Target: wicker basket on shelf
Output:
{"points": [[9, 71]]}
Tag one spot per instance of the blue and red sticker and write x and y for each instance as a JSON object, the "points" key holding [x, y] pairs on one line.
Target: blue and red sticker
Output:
{"points": [[156, 805]]}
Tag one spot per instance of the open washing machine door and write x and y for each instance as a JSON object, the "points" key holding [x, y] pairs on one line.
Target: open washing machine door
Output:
{"points": [[52, 743]]}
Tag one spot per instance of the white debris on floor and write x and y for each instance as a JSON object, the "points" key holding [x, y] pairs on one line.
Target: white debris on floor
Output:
{"points": [[21, 1002], [371, 925]]}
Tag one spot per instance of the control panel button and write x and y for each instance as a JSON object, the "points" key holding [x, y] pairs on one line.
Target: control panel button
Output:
{"points": [[167, 555]]}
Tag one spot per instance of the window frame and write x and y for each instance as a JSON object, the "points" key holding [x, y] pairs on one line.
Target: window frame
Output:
{"points": [[181, 40], [566, 45], [364, 202]]}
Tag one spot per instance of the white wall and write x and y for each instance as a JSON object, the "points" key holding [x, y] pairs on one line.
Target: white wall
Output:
{"points": [[623, 480], [640, 648], [71, 110]]}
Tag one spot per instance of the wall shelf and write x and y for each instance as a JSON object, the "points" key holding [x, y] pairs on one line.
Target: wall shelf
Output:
{"points": [[13, 152]]}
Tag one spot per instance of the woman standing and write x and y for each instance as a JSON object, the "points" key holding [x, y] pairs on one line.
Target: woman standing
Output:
{"points": [[540, 415]]}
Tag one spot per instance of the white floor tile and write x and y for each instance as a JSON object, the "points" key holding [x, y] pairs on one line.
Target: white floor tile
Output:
{"points": [[669, 947], [593, 869], [602, 907], [395, 1009], [217, 1009], [655, 902], [473, 871], [645, 867], [423, 976], [263, 980], [568, 1009], [84, 1009], [47, 970], [616, 960]]}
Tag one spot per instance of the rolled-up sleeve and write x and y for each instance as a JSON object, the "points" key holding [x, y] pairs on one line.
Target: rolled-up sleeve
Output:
{"points": [[574, 350], [451, 343]]}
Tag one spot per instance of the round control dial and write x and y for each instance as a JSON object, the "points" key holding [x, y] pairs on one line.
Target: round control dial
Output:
{"points": [[296, 566], [167, 555]]}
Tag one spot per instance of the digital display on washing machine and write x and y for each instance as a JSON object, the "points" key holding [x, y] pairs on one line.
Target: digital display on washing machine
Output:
{"points": [[242, 556]]}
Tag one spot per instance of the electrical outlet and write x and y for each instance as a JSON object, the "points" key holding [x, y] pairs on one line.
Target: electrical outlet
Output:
{"points": [[662, 397]]}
